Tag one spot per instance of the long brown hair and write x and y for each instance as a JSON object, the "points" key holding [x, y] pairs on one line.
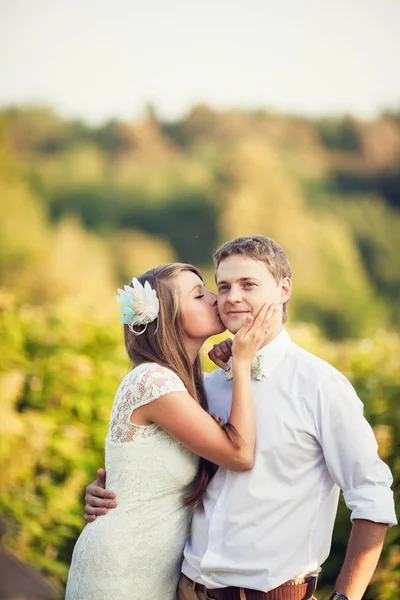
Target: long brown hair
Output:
{"points": [[163, 343]]}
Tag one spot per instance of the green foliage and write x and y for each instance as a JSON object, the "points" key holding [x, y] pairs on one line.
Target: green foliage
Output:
{"points": [[386, 184], [211, 176], [60, 371], [189, 222], [342, 134], [376, 231]]}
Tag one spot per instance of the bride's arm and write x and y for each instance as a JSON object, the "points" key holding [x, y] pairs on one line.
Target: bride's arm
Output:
{"points": [[183, 418]]}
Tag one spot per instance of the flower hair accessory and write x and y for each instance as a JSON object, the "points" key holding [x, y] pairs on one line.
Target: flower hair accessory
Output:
{"points": [[139, 305]]}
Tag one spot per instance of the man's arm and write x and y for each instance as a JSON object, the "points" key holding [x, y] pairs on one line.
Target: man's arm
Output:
{"points": [[351, 455], [363, 551]]}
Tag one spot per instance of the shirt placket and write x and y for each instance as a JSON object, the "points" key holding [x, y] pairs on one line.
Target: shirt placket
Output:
{"points": [[210, 561]]}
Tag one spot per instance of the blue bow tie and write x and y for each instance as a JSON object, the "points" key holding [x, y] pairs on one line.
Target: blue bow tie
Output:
{"points": [[256, 368]]}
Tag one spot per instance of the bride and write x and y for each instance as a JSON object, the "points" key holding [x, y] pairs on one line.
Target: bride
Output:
{"points": [[161, 441]]}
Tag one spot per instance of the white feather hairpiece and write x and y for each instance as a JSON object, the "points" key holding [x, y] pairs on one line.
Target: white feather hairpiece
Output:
{"points": [[139, 305]]}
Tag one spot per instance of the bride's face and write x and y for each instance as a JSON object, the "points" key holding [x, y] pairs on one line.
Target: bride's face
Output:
{"points": [[199, 307]]}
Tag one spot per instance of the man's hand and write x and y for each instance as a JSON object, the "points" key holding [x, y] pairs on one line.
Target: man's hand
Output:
{"points": [[221, 353], [97, 499]]}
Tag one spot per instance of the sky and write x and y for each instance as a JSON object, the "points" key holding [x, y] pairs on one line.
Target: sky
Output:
{"points": [[98, 59]]}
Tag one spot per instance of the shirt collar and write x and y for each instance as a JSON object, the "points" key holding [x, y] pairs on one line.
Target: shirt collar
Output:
{"points": [[274, 351]]}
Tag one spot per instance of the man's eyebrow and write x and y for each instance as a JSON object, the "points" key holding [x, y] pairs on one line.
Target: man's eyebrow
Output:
{"points": [[241, 279]]}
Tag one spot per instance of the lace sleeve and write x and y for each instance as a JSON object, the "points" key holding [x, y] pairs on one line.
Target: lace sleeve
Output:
{"points": [[142, 385], [154, 381]]}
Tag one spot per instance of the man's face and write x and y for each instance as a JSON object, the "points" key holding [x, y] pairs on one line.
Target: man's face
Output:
{"points": [[244, 286]]}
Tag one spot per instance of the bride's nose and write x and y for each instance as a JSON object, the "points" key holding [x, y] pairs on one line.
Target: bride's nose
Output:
{"points": [[212, 298]]}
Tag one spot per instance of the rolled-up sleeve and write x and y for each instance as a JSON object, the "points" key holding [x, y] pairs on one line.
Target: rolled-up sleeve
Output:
{"points": [[351, 452]]}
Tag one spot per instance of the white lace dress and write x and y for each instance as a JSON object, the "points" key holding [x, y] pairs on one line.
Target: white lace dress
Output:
{"points": [[135, 551]]}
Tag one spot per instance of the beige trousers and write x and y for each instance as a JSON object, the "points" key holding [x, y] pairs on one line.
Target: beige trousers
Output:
{"points": [[186, 592]]}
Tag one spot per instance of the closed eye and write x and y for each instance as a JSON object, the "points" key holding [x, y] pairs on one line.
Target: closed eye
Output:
{"points": [[198, 297]]}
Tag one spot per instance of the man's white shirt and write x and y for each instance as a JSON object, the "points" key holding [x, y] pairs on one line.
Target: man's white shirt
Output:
{"points": [[259, 528]]}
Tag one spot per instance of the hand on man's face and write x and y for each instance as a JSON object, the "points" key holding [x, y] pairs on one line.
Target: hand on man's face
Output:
{"points": [[220, 353]]}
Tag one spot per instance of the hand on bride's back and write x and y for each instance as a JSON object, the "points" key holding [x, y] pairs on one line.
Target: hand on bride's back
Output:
{"points": [[97, 499]]}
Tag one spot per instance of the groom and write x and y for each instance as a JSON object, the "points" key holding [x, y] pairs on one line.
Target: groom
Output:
{"points": [[263, 534]]}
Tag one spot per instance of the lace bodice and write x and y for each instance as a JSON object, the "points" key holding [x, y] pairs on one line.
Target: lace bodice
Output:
{"points": [[135, 551]]}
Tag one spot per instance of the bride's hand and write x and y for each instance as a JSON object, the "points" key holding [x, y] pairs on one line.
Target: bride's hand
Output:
{"points": [[254, 333]]}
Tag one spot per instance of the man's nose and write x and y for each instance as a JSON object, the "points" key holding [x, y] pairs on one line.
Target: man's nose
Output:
{"points": [[234, 295]]}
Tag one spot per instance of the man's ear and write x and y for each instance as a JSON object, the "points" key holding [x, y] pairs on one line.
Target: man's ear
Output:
{"points": [[286, 289]]}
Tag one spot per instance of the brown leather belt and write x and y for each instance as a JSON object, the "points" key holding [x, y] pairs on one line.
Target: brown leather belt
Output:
{"points": [[294, 589]]}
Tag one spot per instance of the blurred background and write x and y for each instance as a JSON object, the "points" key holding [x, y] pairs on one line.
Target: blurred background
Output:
{"points": [[135, 133]]}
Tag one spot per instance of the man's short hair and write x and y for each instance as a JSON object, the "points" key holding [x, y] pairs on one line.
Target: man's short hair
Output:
{"points": [[264, 249]]}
